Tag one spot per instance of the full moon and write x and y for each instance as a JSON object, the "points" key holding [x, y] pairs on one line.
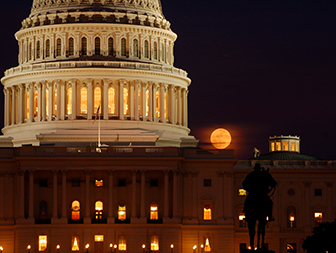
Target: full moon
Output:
{"points": [[220, 138]]}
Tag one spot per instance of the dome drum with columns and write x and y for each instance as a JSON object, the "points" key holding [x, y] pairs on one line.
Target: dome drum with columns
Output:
{"points": [[66, 71]]}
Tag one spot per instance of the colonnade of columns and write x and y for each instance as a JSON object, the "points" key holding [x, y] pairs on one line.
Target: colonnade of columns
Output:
{"points": [[35, 102]]}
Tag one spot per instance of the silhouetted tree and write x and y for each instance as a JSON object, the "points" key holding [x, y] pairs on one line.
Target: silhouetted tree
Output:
{"points": [[322, 240]]}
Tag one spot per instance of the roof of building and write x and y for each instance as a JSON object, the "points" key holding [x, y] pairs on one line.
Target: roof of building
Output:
{"points": [[285, 155]]}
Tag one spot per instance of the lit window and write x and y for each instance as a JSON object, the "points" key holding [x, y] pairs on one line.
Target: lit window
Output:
{"points": [[278, 145], [241, 219], [98, 238], [291, 247], [318, 218], [71, 47], [55, 101], [35, 103], [297, 147], [47, 102], [69, 101], [139, 100], [48, 48], [75, 243], [165, 105], [27, 105], [83, 101], [207, 212], [272, 146], [97, 46], [286, 146], [110, 46], [42, 245], [207, 247], [58, 47], [122, 212], [123, 47], [242, 192], [122, 243], [154, 214], [292, 145], [99, 182], [125, 101], [146, 49], [154, 242], [157, 96], [155, 51], [97, 98], [99, 210], [75, 210], [84, 46], [135, 48], [147, 103], [111, 101]]}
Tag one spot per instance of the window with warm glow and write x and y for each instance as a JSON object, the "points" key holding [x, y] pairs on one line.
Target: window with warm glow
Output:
{"points": [[139, 101], [69, 102], [36, 107], [292, 146], [278, 145], [122, 212], [272, 146], [207, 247], [84, 46], [241, 219], [123, 47], [207, 212], [99, 182], [154, 214], [297, 147], [146, 49], [147, 103], [291, 247], [157, 97], [97, 46], [58, 47], [154, 242], [42, 244], [99, 210], [291, 217], [318, 217], [110, 46], [155, 51], [75, 210], [242, 192], [122, 243], [98, 238], [75, 243], [83, 100], [47, 48], [55, 102], [135, 48], [111, 101], [71, 47], [166, 105], [97, 98], [125, 101], [47, 102], [286, 145], [27, 105]]}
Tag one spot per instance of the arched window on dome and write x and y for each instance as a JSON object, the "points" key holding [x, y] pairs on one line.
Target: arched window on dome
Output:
{"points": [[158, 106], [110, 46], [291, 217], [36, 108], [99, 210], [111, 101], [69, 101], [27, 104], [38, 50], [55, 102], [135, 48], [155, 51], [84, 46], [83, 100], [75, 210], [47, 53], [71, 47], [97, 46], [123, 47], [58, 47], [147, 103], [97, 98], [146, 49], [126, 101]]}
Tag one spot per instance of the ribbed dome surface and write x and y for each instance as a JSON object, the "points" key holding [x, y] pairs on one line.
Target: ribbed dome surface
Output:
{"points": [[285, 155], [148, 7]]}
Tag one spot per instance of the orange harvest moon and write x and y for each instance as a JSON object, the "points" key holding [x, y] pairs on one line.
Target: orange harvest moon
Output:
{"points": [[220, 138]]}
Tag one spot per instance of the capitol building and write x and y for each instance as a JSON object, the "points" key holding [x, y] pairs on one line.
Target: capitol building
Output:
{"points": [[96, 154]]}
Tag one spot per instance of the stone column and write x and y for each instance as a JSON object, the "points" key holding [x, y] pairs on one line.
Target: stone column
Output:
{"points": [[185, 108], [44, 101], [134, 173], [179, 107], [136, 99], [39, 101], [6, 111], [64, 194], [166, 194], [162, 103], [121, 98], [59, 99], [172, 104], [143, 195], [131, 101], [21, 103], [143, 108], [307, 214], [31, 102], [110, 218], [330, 201], [14, 109], [105, 98], [31, 195], [55, 215], [51, 98], [175, 194], [74, 98], [89, 98], [87, 218], [151, 104], [220, 191]]}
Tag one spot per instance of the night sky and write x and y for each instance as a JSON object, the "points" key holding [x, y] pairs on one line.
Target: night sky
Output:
{"points": [[258, 68]]}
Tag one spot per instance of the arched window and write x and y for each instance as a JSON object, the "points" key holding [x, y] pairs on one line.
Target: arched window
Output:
{"points": [[83, 100], [99, 210], [207, 212], [55, 102], [110, 46], [291, 217], [36, 103], [158, 100], [75, 243], [126, 101], [27, 105], [154, 242], [58, 47], [123, 47], [155, 51], [135, 48], [84, 46], [69, 102], [146, 49], [38, 48], [71, 47], [97, 98], [122, 246], [97, 46], [47, 48], [111, 101], [75, 210], [154, 212], [207, 247], [122, 211], [43, 210]]}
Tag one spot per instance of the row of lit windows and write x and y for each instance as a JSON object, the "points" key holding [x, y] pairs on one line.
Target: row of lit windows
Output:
{"points": [[148, 54], [287, 146]]}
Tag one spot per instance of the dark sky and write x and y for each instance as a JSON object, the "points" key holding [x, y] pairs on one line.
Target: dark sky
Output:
{"points": [[258, 68]]}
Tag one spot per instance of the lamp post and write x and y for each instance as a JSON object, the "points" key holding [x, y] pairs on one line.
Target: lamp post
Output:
{"points": [[57, 248], [111, 246], [28, 248], [202, 247], [1, 249], [87, 248], [172, 248], [194, 249], [143, 248], [115, 248]]}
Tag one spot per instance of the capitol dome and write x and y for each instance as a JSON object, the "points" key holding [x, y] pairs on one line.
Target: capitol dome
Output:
{"points": [[76, 56]]}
